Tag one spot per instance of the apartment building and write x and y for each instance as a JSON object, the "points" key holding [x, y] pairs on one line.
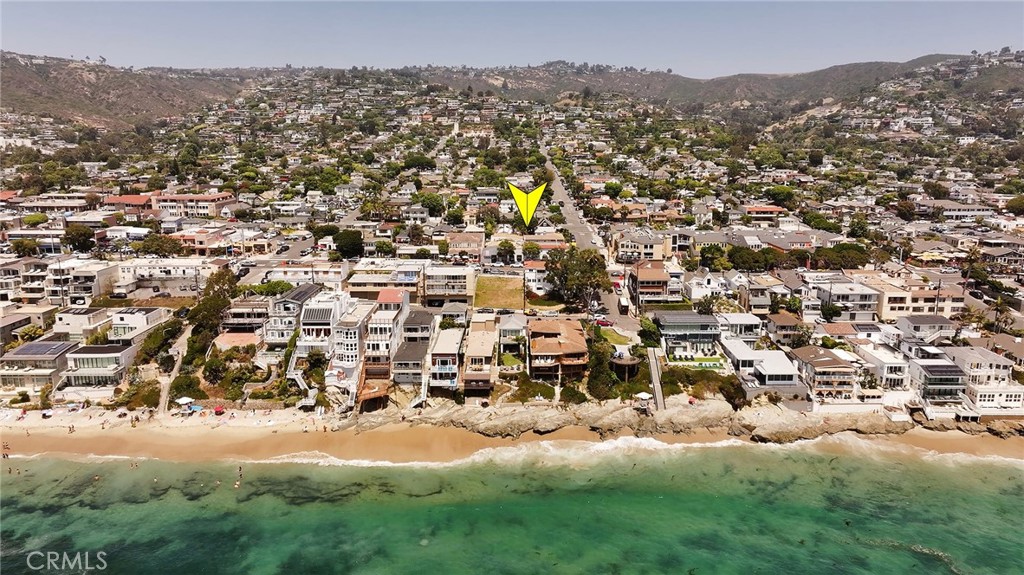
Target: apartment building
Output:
{"points": [[446, 284], [644, 244], [856, 302], [192, 205], [76, 282]]}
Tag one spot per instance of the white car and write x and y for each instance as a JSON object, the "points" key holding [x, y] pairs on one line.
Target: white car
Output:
{"points": [[599, 316]]}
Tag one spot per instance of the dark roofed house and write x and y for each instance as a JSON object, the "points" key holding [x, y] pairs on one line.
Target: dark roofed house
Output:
{"points": [[687, 332], [98, 365], [283, 317]]}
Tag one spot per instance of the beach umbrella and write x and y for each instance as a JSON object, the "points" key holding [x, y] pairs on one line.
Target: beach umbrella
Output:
{"points": [[643, 395], [185, 400]]}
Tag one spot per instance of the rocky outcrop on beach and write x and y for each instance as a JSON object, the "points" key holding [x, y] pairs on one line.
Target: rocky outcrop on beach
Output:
{"points": [[764, 422], [607, 418], [1000, 428], [776, 424]]}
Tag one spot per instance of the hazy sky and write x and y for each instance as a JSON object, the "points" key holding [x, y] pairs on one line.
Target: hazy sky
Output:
{"points": [[698, 39]]}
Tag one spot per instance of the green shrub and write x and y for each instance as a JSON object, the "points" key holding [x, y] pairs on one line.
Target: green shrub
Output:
{"points": [[571, 395], [187, 386], [22, 397]]}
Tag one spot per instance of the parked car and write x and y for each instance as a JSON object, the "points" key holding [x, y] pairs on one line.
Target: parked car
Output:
{"points": [[604, 323], [164, 294], [485, 310], [976, 294]]}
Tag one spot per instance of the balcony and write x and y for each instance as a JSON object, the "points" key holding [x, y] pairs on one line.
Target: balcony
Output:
{"points": [[444, 369]]}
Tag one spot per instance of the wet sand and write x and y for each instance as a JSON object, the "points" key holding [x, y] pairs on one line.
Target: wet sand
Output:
{"points": [[396, 443]]}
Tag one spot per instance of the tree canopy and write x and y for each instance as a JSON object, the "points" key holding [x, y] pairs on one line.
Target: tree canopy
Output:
{"points": [[576, 276], [79, 238]]}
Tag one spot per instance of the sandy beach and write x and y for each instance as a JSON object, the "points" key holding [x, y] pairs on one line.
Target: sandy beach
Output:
{"points": [[253, 437]]}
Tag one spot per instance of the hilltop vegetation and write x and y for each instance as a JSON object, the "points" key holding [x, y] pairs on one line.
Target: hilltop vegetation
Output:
{"points": [[549, 80], [99, 95]]}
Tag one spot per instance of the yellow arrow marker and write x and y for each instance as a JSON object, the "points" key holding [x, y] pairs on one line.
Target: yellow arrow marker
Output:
{"points": [[527, 202]]}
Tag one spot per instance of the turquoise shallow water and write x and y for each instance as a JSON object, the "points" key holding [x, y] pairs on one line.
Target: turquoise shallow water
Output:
{"points": [[629, 506]]}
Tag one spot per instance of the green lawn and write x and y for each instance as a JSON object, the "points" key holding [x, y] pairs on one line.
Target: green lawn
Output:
{"points": [[499, 292], [541, 302], [614, 337], [509, 360]]}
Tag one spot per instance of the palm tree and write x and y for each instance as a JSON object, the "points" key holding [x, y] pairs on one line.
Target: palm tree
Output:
{"points": [[1001, 309], [970, 315]]}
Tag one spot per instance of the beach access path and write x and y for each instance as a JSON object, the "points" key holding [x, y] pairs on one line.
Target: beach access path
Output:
{"points": [[178, 350]]}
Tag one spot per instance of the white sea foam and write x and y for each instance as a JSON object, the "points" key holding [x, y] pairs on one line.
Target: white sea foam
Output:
{"points": [[541, 453], [581, 453]]}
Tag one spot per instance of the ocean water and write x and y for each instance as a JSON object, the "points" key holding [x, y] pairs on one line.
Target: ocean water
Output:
{"points": [[626, 506]]}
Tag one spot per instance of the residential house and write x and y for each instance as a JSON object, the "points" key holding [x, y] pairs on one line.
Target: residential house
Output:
{"points": [[33, 365], [383, 336], [131, 325], [512, 333], [941, 384], [856, 302], [480, 370], [828, 376], [743, 326], [928, 328], [444, 359], [283, 318], [686, 333], [762, 371], [885, 364], [81, 323], [557, 349], [98, 366], [783, 327]]}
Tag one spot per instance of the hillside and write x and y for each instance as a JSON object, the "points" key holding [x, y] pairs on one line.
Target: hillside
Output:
{"points": [[547, 81], [101, 95]]}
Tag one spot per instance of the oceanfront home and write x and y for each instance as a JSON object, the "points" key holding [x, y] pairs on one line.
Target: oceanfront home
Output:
{"points": [[557, 349], [687, 333]]}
